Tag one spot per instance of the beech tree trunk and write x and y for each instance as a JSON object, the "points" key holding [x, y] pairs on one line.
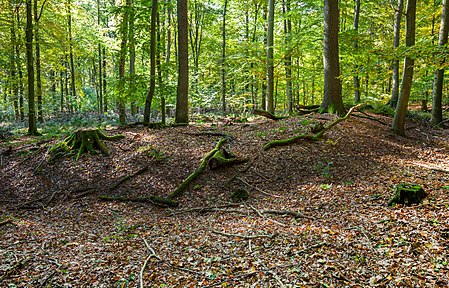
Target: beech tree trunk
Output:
{"points": [[40, 116], [288, 56], [150, 94], [356, 46], [406, 85], [332, 84], [182, 104], [32, 129], [270, 63], [223, 59], [397, 34], [72, 64], [437, 93]]}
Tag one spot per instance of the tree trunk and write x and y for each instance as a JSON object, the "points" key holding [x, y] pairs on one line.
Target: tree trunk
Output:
{"points": [[288, 56], [150, 93], [40, 116], [332, 84], [132, 57], [19, 70], [182, 104], [123, 50], [72, 65], [32, 129], [223, 59], [270, 63], [397, 35], [437, 93], [406, 85], [356, 46], [100, 67], [14, 66], [105, 95]]}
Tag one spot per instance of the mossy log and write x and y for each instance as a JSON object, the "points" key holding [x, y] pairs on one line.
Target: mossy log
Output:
{"points": [[268, 115], [408, 194], [183, 186], [223, 158], [84, 140], [309, 136], [161, 201]]}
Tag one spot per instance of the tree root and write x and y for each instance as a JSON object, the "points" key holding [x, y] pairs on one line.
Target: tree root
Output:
{"points": [[127, 177], [85, 140], [183, 186], [312, 137], [268, 115], [156, 200]]}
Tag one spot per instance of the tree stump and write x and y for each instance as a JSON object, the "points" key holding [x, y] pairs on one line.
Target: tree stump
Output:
{"points": [[408, 194], [85, 140]]}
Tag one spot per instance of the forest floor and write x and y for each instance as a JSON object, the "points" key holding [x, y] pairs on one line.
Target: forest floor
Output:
{"points": [[60, 234]]}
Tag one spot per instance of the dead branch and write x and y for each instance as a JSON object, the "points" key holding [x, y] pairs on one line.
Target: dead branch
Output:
{"points": [[285, 212], [312, 137], [268, 115], [271, 236], [156, 200], [208, 133], [203, 209], [152, 254], [83, 192], [257, 189], [366, 116], [183, 186], [127, 177]]}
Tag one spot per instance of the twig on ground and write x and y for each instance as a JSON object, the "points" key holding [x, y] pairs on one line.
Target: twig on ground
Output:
{"points": [[271, 236], [127, 177], [257, 189], [263, 216], [366, 116], [152, 254], [47, 278], [83, 192], [286, 212]]}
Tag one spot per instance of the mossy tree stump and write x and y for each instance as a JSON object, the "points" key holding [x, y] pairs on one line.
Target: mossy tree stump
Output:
{"points": [[84, 140], [408, 194]]}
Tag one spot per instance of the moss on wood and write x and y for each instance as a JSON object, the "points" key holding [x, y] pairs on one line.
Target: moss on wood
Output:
{"points": [[407, 194], [82, 140], [183, 186]]}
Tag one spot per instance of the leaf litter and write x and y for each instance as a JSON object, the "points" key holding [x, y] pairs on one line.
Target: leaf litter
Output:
{"points": [[66, 237]]}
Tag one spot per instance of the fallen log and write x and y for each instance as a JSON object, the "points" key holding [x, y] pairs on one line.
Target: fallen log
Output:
{"points": [[309, 136], [183, 186], [268, 115], [157, 200]]}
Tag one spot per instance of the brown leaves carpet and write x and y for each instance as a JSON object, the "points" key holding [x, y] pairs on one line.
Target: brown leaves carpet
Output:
{"points": [[62, 235]]}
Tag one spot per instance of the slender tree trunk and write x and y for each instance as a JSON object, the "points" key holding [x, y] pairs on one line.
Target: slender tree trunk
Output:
{"points": [[19, 70], [72, 65], [105, 94], [182, 104], [223, 59], [264, 78], [437, 93], [40, 116], [397, 38], [123, 49], [15, 86], [270, 61], [356, 47], [288, 56], [150, 93], [100, 67], [32, 129], [132, 57], [406, 85], [332, 84]]}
